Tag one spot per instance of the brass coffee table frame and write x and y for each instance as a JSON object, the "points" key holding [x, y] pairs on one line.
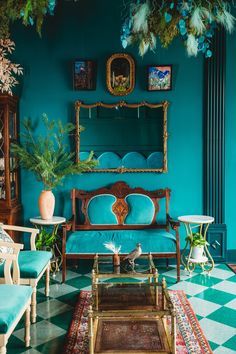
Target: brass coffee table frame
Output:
{"points": [[142, 314], [150, 273], [159, 312]]}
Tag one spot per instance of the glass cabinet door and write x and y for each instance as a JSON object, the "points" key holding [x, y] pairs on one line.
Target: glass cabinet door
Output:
{"points": [[12, 162], [2, 159]]}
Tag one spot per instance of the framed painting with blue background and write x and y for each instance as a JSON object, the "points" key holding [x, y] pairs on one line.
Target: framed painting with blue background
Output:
{"points": [[84, 74], [159, 77]]}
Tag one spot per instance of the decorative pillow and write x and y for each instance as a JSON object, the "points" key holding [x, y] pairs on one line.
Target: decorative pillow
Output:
{"points": [[4, 237], [99, 210], [141, 209]]}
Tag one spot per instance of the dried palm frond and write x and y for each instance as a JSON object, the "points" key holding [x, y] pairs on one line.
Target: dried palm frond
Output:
{"points": [[227, 20], [140, 18], [112, 247], [196, 21], [192, 45]]}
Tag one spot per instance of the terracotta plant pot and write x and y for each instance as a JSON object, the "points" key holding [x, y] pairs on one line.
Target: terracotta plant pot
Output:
{"points": [[46, 204]]}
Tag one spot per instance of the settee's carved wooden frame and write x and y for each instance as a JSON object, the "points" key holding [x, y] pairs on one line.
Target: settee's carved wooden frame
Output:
{"points": [[120, 190]]}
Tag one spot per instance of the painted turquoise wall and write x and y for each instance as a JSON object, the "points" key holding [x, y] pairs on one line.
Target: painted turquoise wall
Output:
{"points": [[90, 29], [231, 141]]}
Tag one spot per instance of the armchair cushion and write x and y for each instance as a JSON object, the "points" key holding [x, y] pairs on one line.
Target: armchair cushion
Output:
{"points": [[31, 263], [12, 299], [91, 242]]}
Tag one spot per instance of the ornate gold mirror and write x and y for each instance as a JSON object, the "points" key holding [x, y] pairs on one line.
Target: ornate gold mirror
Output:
{"points": [[125, 137], [120, 74]]}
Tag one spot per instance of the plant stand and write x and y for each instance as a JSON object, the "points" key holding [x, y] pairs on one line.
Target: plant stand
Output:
{"points": [[201, 223], [54, 224]]}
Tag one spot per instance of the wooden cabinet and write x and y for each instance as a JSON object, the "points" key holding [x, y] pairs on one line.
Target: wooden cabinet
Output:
{"points": [[10, 207]]}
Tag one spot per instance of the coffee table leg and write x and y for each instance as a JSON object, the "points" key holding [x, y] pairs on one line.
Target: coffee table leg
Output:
{"points": [[173, 332], [90, 330]]}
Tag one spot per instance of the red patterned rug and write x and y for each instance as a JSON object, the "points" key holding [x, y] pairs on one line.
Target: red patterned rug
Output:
{"points": [[190, 338], [232, 267]]}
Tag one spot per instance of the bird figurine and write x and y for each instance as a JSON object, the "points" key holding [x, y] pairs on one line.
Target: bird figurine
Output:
{"points": [[133, 255]]}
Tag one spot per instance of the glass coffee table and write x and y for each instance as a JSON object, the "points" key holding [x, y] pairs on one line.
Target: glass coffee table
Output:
{"points": [[109, 280], [131, 311]]}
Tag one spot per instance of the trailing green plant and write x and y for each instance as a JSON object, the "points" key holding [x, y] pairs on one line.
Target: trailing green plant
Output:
{"points": [[45, 239], [197, 240], [47, 155]]}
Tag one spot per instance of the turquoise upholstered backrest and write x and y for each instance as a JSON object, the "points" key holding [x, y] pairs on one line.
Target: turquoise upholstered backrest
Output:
{"points": [[141, 209], [99, 210]]}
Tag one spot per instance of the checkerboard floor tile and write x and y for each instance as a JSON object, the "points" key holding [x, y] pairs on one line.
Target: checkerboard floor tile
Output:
{"points": [[213, 299]]}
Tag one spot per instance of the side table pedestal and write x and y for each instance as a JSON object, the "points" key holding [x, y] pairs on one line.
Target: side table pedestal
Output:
{"points": [[201, 224], [54, 224]]}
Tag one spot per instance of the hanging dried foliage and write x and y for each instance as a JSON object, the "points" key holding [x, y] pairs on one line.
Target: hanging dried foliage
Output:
{"points": [[30, 12], [8, 70], [194, 21]]}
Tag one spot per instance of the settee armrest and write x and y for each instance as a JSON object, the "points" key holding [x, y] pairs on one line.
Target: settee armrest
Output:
{"points": [[173, 223]]}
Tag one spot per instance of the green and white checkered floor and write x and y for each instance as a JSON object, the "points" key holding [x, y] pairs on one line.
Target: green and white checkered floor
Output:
{"points": [[213, 299]]}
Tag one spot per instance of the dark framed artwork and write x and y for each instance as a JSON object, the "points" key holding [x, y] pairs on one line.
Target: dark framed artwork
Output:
{"points": [[120, 74], [159, 77], [84, 74]]}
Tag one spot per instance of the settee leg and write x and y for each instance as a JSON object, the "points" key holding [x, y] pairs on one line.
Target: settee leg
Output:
{"points": [[64, 270], [167, 263], [178, 268]]}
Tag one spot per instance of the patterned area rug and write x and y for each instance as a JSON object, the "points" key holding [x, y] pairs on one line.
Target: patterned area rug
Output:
{"points": [[190, 338], [232, 267]]}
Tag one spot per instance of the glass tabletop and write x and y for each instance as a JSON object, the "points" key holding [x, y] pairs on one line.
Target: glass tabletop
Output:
{"points": [[144, 265]]}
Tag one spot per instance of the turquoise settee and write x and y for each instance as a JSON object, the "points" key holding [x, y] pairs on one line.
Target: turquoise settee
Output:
{"points": [[124, 216]]}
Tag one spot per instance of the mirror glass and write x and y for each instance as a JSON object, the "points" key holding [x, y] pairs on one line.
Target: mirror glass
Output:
{"points": [[124, 136]]}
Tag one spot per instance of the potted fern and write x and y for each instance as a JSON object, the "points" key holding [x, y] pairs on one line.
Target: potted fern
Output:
{"points": [[197, 242], [47, 156]]}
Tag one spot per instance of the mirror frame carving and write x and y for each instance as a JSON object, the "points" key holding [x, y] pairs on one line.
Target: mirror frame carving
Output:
{"points": [[164, 105], [132, 73]]}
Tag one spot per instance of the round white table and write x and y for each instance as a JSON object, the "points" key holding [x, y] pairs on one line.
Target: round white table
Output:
{"points": [[55, 222], [201, 224]]}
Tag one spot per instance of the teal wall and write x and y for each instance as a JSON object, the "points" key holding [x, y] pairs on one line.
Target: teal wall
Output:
{"points": [[91, 29], [230, 132]]}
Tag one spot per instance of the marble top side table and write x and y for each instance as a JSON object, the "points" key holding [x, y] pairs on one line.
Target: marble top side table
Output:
{"points": [[200, 223]]}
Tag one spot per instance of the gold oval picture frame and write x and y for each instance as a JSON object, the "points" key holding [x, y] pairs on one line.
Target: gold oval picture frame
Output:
{"points": [[120, 74]]}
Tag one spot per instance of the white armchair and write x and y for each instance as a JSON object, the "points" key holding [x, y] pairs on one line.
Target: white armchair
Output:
{"points": [[15, 299], [32, 265]]}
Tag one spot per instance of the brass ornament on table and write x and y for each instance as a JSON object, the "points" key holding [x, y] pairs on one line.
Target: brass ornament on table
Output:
{"points": [[129, 260]]}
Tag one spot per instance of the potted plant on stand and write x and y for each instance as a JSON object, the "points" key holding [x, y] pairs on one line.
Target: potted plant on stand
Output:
{"points": [[47, 156], [197, 244]]}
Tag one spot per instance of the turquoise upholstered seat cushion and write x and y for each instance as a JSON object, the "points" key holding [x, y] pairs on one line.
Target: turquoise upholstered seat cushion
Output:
{"points": [[99, 210], [141, 210], [91, 242], [31, 263], [12, 299]]}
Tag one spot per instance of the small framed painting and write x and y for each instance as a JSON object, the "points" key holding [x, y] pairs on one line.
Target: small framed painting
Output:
{"points": [[84, 74], [159, 77]]}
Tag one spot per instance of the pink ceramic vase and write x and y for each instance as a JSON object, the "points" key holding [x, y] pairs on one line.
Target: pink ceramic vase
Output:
{"points": [[46, 204]]}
